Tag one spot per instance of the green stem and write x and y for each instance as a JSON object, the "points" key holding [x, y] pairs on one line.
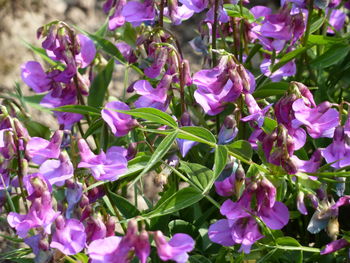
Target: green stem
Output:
{"points": [[308, 25]]}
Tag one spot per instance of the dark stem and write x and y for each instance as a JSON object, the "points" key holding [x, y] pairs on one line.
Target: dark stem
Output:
{"points": [[161, 13], [213, 44]]}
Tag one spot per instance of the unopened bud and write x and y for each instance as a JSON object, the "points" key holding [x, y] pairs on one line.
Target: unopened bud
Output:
{"points": [[333, 228], [44, 245], [110, 226], [60, 222]]}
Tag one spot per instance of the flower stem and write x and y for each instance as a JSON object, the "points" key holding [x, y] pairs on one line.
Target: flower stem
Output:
{"points": [[215, 24], [308, 25]]}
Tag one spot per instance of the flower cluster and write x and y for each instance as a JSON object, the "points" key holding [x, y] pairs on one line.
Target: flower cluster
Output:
{"points": [[264, 120]]}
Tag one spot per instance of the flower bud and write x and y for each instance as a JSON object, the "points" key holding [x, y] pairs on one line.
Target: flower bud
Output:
{"points": [[60, 222], [300, 203], [228, 130], [333, 228], [110, 226]]}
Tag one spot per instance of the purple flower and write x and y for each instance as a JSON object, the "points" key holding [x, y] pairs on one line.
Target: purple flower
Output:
{"points": [[177, 13], [160, 57], [39, 150], [335, 246], [34, 76], [301, 204], [320, 121], [286, 70], [185, 145], [39, 215], [105, 166], [256, 114], [336, 20], [217, 86], [73, 194], [95, 229], [338, 152], [60, 97], [87, 51], [119, 123], [136, 12], [109, 250], [228, 131], [150, 97], [57, 171], [195, 5], [277, 29], [69, 237], [175, 249], [308, 166], [116, 20], [127, 52]]}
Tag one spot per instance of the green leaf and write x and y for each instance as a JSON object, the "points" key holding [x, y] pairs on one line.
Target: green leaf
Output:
{"points": [[124, 206], [36, 129], [333, 55], [253, 170], [129, 34], [219, 160], [110, 49], [316, 22], [100, 85], [198, 259], [200, 175], [271, 89], [287, 241], [158, 154], [42, 53], [269, 125], [198, 134], [241, 148], [235, 11], [151, 114], [81, 109], [93, 128], [288, 57], [179, 200], [324, 40]]}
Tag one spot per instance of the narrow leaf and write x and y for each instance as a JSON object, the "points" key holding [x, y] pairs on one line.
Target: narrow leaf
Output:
{"points": [[152, 114], [100, 84], [158, 154], [179, 200]]}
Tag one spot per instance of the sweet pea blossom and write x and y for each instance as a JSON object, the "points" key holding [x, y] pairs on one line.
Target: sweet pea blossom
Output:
{"points": [[338, 152], [57, 171], [151, 97], [109, 250], [320, 121], [137, 12], [39, 150], [175, 249], [185, 145], [40, 215], [119, 123], [256, 113], [104, 166], [240, 227], [221, 85], [69, 236]]}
